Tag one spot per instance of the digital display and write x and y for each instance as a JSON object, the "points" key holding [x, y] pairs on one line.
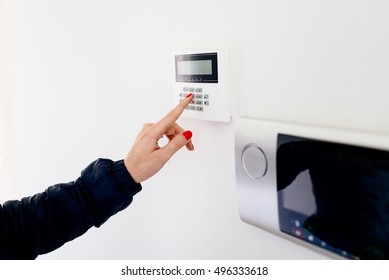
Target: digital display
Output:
{"points": [[197, 68], [334, 196], [194, 67]]}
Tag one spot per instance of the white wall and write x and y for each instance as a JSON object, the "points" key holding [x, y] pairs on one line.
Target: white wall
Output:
{"points": [[86, 74], [8, 167]]}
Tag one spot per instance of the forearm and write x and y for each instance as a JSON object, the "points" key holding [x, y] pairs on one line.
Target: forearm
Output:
{"points": [[44, 222]]}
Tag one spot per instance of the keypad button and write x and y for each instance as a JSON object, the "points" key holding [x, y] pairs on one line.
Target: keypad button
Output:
{"points": [[199, 100]]}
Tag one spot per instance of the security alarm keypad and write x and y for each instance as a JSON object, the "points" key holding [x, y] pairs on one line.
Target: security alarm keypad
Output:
{"points": [[202, 75]]}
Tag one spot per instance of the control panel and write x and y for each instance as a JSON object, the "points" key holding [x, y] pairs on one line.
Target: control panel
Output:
{"points": [[205, 75], [320, 187]]}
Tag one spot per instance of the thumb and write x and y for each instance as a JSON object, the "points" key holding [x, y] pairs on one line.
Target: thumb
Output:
{"points": [[178, 142]]}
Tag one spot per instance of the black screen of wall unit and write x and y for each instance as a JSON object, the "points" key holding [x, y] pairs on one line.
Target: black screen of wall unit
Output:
{"points": [[334, 196]]}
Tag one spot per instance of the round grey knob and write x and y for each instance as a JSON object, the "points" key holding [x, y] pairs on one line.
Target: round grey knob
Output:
{"points": [[254, 161]]}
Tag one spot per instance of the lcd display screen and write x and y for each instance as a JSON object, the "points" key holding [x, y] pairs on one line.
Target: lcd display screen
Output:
{"points": [[197, 68], [194, 67], [334, 196]]}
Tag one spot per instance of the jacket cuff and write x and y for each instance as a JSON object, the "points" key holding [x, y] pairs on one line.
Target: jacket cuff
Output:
{"points": [[123, 177]]}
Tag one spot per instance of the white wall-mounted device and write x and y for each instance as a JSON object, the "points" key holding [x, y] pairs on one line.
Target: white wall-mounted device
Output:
{"points": [[205, 75], [324, 188]]}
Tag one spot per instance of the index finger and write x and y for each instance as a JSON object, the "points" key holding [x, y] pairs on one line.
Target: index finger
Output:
{"points": [[167, 121]]}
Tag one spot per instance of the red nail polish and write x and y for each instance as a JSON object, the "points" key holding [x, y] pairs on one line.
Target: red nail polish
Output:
{"points": [[189, 95], [187, 134]]}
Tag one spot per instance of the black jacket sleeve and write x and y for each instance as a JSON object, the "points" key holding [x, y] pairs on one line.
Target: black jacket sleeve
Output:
{"points": [[41, 223]]}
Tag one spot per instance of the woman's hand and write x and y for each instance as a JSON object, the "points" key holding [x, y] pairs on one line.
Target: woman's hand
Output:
{"points": [[146, 158]]}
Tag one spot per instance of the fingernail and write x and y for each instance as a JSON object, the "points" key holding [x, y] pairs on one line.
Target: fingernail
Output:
{"points": [[187, 134], [189, 95]]}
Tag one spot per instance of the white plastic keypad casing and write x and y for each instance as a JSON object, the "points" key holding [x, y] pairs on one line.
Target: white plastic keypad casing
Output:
{"points": [[211, 101]]}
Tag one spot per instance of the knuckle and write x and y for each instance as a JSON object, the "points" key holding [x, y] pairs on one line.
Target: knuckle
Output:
{"points": [[147, 125], [148, 132]]}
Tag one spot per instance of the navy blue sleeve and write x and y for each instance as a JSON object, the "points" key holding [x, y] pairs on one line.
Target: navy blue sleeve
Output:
{"points": [[41, 223]]}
